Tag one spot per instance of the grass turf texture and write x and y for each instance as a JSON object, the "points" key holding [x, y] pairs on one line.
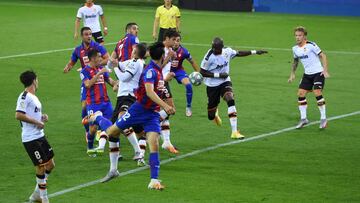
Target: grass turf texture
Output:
{"points": [[299, 166]]}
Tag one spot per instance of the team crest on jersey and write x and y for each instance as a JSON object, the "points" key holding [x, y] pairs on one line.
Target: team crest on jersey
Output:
{"points": [[22, 104], [149, 74]]}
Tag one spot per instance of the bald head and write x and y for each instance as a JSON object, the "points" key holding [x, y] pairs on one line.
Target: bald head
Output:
{"points": [[217, 45]]}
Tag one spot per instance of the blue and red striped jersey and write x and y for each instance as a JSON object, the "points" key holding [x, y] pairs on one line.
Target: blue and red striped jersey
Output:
{"points": [[97, 93], [151, 74], [181, 54], [81, 53], [125, 46]]}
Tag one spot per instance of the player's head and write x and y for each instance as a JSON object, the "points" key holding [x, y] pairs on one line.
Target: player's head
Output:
{"points": [[217, 45], [169, 37], [94, 57], [167, 2], [132, 28], [157, 51], [300, 34], [86, 34], [89, 1], [177, 42], [140, 51], [29, 78]]}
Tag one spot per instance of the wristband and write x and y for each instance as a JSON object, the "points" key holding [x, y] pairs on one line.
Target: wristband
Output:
{"points": [[105, 28], [216, 75], [253, 52]]}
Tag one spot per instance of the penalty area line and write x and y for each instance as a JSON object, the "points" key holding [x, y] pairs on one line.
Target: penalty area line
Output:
{"points": [[196, 152]]}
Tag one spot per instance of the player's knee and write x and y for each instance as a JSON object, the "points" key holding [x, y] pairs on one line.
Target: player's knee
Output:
{"points": [[302, 93], [50, 165], [229, 98], [317, 92], [93, 130], [320, 100], [211, 113]]}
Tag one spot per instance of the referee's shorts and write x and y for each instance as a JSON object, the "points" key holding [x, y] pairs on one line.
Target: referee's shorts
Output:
{"points": [[162, 32]]}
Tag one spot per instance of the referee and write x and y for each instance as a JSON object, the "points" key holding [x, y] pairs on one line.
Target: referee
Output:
{"points": [[168, 17]]}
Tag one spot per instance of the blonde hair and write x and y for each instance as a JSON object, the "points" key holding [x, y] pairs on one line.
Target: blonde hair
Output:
{"points": [[301, 29]]}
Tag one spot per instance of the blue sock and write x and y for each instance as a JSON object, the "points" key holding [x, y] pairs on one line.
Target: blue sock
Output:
{"points": [[154, 163], [189, 93], [90, 141], [103, 123], [83, 115]]}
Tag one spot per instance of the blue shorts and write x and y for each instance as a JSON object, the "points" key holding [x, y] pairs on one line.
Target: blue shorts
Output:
{"points": [[105, 108], [180, 74], [82, 92], [137, 115]]}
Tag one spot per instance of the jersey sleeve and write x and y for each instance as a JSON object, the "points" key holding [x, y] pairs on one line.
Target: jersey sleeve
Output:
{"points": [[101, 12], [84, 75], [294, 54], [79, 13], [102, 50], [21, 104], [316, 49], [205, 63], [134, 40], [132, 68], [231, 53], [187, 55], [177, 13], [74, 56], [157, 14], [106, 77], [150, 76]]}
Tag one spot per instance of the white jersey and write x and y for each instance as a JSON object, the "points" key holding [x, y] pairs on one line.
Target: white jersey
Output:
{"points": [[90, 16], [30, 105], [135, 68], [167, 67], [217, 64], [309, 57]]}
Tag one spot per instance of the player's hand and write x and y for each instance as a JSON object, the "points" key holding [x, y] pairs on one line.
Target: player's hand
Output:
{"points": [[325, 74], [114, 62], [67, 69], [291, 78], [169, 109], [44, 118], [116, 88], [103, 70], [40, 125], [259, 52], [76, 36], [154, 36], [223, 75]]}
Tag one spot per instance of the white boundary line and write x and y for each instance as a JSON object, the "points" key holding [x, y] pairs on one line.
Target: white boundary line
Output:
{"points": [[199, 151], [190, 44]]}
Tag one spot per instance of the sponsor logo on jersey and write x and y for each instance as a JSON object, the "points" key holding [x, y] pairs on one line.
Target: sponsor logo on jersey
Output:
{"points": [[90, 16], [304, 57]]}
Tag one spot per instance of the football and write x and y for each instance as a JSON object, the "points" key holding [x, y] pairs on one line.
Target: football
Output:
{"points": [[196, 78]]}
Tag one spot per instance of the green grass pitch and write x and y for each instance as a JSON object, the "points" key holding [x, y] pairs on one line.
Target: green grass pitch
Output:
{"points": [[305, 165]]}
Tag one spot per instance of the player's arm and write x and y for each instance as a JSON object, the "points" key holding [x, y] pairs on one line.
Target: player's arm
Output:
{"points": [[252, 52], [293, 69], [178, 24], [111, 82], [194, 65], [149, 87], [324, 63], [77, 26], [105, 59], [208, 74], [88, 83], [155, 27], [69, 66], [103, 22], [21, 116], [123, 76]]}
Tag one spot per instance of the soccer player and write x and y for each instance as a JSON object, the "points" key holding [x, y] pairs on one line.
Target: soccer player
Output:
{"points": [[179, 73], [168, 17], [144, 112], [81, 53], [215, 68], [28, 112], [94, 77], [316, 70], [90, 13], [129, 75]]}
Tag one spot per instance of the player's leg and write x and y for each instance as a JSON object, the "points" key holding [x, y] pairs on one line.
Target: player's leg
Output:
{"points": [[140, 134], [305, 86], [83, 108], [228, 95], [319, 83], [92, 131], [98, 37], [184, 79], [107, 111], [213, 94]]}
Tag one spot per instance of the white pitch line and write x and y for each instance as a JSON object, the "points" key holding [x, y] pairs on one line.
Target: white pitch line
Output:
{"points": [[199, 151], [185, 43]]}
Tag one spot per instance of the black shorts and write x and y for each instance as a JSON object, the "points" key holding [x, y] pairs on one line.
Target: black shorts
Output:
{"points": [[98, 37], [123, 103], [215, 93], [162, 32], [39, 151], [314, 81]]}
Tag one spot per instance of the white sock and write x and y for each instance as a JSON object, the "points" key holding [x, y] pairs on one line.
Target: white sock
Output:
{"points": [[102, 140], [114, 155], [142, 143], [134, 142], [302, 109], [233, 118], [42, 189], [163, 115], [322, 110], [165, 133]]}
